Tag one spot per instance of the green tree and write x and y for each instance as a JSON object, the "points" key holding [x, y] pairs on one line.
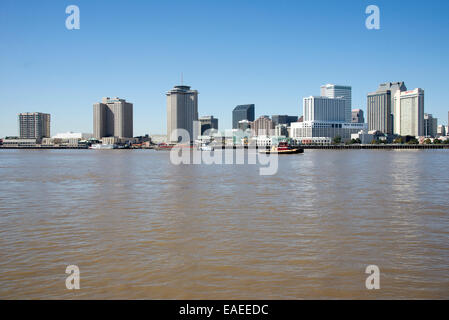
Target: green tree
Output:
{"points": [[336, 140]]}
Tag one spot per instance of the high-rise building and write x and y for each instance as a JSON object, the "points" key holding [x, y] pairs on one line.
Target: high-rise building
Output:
{"points": [[242, 112], [283, 119], [324, 109], [337, 91], [324, 118], [113, 117], [380, 106], [262, 126], [357, 116], [441, 130], [409, 113], [208, 122], [430, 125], [34, 125], [182, 111]]}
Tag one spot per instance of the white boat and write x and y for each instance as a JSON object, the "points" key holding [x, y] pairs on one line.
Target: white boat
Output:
{"points": [[206, 148], [99, 146]]}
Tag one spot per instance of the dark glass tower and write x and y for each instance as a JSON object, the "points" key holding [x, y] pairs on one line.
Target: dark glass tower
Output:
{"points": [[242, 112]]}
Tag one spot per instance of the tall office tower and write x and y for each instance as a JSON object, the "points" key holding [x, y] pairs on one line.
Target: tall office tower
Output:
{"points": [[430, 125], [324, 109], [208, 122], [242, 112], [113, 117], [357, 116], [263, 126], [441, 130], [283, 119], [182, 111], [409, 113], [380, 106], [34, 125], [337, 91]]}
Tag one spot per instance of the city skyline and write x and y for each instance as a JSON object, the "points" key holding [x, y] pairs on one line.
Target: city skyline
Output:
{"points": [[45, 63]]}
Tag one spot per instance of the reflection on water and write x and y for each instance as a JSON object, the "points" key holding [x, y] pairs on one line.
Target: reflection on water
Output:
{"points": [[139, 227]]}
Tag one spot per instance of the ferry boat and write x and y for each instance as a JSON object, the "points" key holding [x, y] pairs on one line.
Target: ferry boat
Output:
{"points": [[99, 146], [282, 148]]}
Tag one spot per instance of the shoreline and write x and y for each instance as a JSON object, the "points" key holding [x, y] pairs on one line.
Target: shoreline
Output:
{"points": [[309, 147]]}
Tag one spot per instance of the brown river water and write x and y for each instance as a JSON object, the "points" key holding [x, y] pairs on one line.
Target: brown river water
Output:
{"points": [[139, 227]]}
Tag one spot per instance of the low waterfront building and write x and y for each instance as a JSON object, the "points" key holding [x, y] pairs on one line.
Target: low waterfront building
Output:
{"points": [[364, 137], [73, 135], [327, 129], [15, 142], [268, 141], [313, 141]]}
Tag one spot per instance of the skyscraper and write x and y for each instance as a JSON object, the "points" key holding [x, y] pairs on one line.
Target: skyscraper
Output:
{"points": [[324, 109], [380, 106], [430, 125], [208, 122], [338, 91], [182, 111], [409, 113], [357, 116], [263, 126], [113, 117], [283, 119], [34, 125], [242, 112]]}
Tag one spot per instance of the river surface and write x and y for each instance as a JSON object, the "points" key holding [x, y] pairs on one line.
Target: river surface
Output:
{"points": [[139, 227]]}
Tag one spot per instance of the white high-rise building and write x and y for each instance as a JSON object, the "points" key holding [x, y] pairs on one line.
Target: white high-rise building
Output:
{"points": [[324, 109], [324, 119], [409, 113], [182, 111], [338, 91]]}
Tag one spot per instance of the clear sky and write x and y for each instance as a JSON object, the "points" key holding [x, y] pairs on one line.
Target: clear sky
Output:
{"points": [[270, 53]]}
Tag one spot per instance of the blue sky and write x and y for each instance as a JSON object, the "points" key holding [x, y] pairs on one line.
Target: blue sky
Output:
{"points": [[271, 53]]}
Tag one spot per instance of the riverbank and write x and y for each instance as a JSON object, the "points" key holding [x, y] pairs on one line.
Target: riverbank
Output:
{"points": [[318, 147]]}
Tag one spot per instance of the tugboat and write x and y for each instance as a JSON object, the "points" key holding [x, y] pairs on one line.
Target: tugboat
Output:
{"points": [[282, 148]]}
